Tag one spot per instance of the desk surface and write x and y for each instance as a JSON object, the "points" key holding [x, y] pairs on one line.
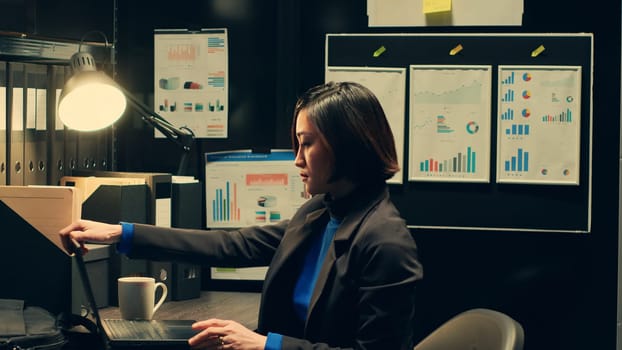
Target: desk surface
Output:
{"points": [[242, 307]]}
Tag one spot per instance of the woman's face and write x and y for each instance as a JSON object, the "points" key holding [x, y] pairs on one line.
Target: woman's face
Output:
{"points": [[314, 158]]}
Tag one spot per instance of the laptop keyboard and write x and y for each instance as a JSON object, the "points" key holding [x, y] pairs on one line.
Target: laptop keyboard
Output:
{"points": [[127, 329]]}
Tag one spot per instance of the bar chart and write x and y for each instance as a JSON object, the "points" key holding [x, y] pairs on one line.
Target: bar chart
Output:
{"points": [[518, 162], [517, 129], [508, 80], [182, 52], [562, 117], [508, 114], [459, 163], [508, 96], [225, 207]]}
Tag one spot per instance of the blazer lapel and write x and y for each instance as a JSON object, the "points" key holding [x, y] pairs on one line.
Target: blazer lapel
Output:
{"points": [[297, 236], [339, 246]]}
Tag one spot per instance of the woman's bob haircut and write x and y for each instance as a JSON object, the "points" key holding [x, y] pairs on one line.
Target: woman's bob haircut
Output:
{"points": [[352, 122]]}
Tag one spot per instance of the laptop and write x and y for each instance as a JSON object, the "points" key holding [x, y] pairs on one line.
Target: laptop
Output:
{"points": [[129, 334]]}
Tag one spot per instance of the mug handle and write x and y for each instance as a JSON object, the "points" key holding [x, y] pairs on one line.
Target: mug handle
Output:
{"points": [[164, 292]]}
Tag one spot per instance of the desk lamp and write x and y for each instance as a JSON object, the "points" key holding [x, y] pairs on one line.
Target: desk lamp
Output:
{"points": [[90, 100]]}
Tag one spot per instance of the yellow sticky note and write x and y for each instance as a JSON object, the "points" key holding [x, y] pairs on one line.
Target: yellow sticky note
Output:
{"points": [[435, 6]]}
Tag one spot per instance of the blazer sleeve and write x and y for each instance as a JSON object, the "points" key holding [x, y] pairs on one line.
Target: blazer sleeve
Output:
{"points": [[251, 246]]}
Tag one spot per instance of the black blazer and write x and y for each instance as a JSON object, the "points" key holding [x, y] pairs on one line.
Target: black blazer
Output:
{"points": [[364, 294]]}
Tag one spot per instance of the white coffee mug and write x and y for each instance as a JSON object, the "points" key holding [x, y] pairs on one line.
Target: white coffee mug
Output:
{"points": [[137, 296]]}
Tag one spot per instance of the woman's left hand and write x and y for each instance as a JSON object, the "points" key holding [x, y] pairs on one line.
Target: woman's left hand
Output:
{"points": [[225, 334]]}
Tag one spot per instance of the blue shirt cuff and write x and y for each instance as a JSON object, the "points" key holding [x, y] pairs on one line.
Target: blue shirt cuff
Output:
{"points": [[274, 341], [127, 234]]}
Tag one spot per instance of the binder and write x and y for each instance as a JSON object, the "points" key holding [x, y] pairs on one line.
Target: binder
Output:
{"points": [[55, 130], [3, 127], [186, 212], [70, 149], [86, 150], [103, 151], [35, 135], [30, 245], [57, 157], [15, 121], [70, 137]]}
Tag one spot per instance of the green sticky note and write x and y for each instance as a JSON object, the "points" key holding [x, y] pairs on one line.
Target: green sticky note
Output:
{"points": [[225, 269], [380, 50]]}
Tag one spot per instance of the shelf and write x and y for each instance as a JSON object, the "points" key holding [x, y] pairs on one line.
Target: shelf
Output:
{"points": [[24, 48]]}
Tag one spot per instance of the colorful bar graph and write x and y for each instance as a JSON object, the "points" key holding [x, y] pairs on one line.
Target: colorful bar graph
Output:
{"points": [[225, 204], [460, 163], [182, 52], [563, 117]]}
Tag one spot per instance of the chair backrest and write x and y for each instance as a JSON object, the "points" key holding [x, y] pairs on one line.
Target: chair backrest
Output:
{"points": [[476, 329]]}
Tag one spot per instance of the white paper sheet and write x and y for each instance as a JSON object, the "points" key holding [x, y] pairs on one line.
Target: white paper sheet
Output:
{"points": [[405, 13], [389, 85], [191, 81], [539, 124], [450, 117]]}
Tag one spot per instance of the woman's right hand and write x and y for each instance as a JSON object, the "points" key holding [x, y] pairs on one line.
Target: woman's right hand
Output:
{"points": [[83, 231]]}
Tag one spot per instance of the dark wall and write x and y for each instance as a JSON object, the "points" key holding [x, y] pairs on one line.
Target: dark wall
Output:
{"points": [[62, 19], [252, 30]]}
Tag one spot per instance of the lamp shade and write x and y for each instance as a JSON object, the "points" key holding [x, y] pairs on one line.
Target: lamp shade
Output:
{"points": [[90, 100]]}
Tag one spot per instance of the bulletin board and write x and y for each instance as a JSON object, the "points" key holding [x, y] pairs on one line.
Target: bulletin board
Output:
{"points": [[514, 192]]}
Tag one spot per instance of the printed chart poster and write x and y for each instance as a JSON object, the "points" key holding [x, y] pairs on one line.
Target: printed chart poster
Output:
{"points": [[191, 81], [539, 124], [450, 117], [389, 86], [244, 188]]}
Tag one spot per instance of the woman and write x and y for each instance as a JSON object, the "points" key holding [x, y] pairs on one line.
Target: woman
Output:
{"points": [[342, 270]]}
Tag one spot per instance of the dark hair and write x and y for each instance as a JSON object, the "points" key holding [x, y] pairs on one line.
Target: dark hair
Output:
{"points": [[353, 123]]}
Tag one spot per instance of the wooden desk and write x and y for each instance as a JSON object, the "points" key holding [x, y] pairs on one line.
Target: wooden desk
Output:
{"points": [[242, 307]]}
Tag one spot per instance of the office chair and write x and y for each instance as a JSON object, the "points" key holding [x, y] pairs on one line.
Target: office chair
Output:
{"points": [[476, 329]]}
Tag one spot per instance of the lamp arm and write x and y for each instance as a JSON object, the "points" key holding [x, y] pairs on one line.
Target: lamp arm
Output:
{"points": [[183, 137]]}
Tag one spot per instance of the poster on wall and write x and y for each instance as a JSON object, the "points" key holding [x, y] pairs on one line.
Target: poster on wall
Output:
{"points": [[244, 188], [450, 117], [389, 85], [539, 124], [191, 80]]}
